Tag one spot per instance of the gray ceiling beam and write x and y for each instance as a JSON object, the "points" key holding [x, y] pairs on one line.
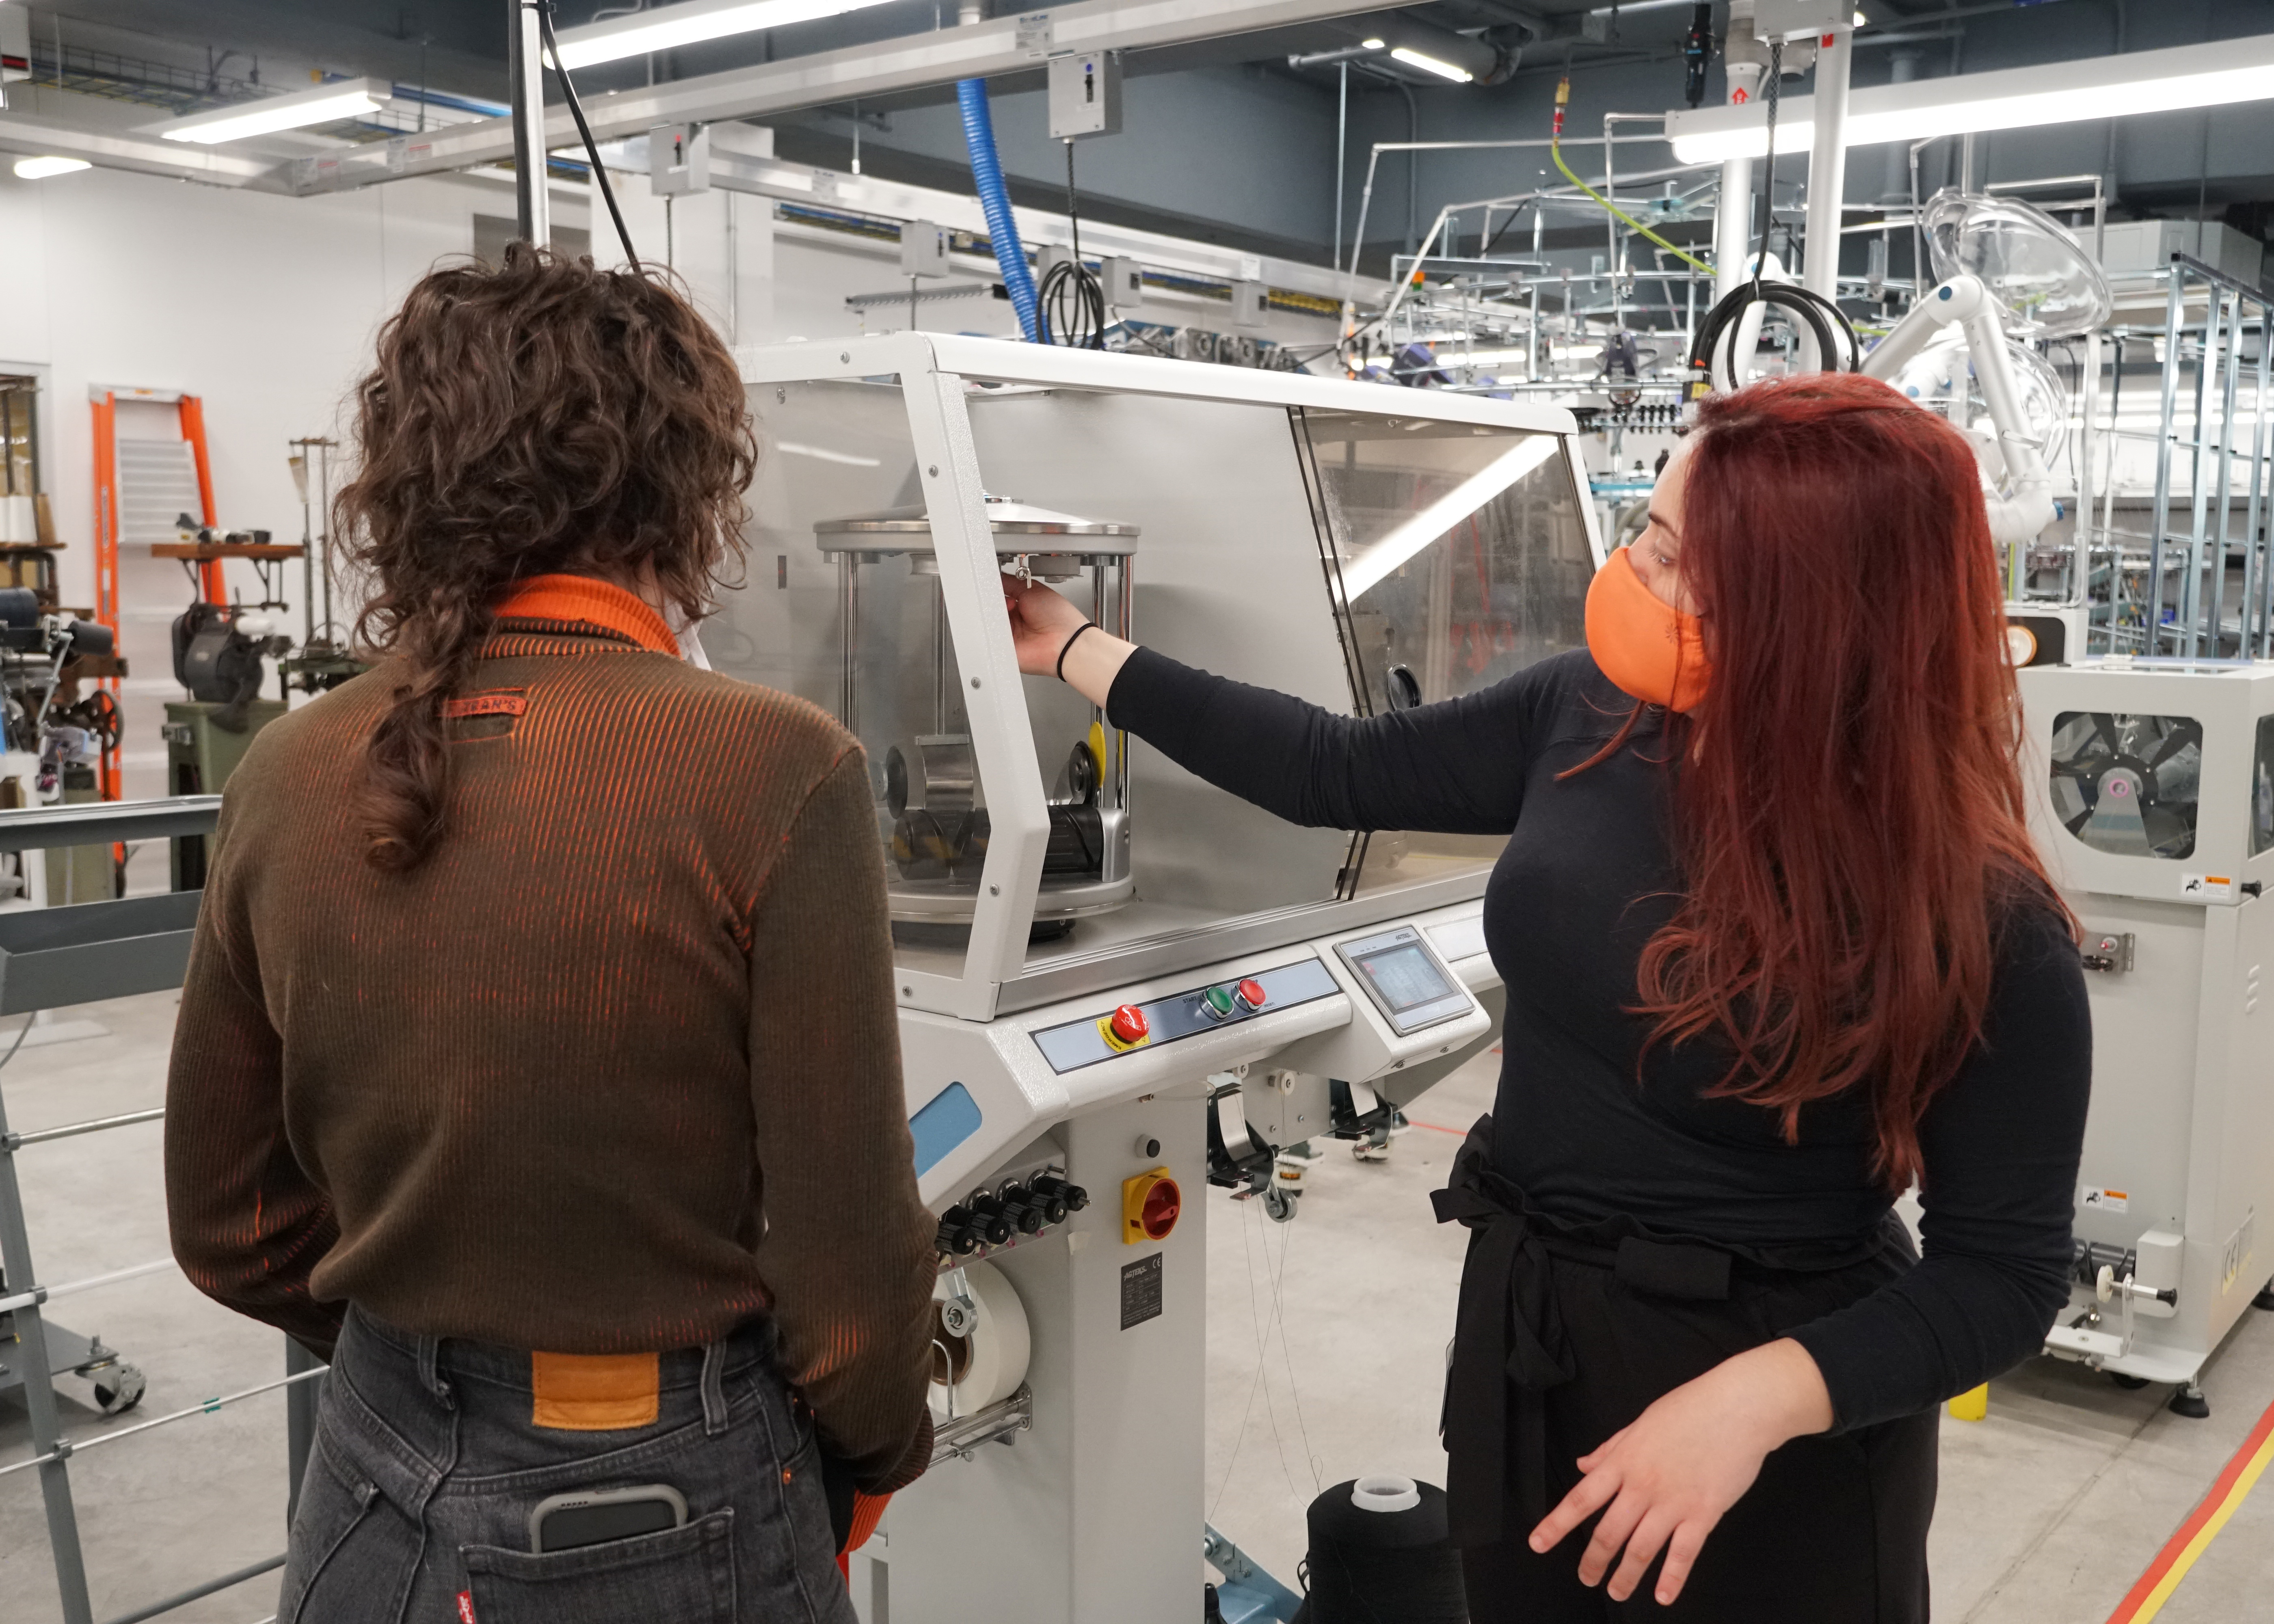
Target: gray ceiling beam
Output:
{"points": [[1001, 45]]}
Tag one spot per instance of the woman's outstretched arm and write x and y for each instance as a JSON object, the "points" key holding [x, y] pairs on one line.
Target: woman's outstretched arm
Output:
{"points": [[1453, 768]]}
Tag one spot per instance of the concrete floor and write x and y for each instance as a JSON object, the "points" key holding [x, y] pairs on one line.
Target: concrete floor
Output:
{"points": [[1326, 1352]]}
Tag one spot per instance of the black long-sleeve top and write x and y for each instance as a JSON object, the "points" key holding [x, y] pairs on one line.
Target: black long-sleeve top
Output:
{"points": [[1590, 1128]]}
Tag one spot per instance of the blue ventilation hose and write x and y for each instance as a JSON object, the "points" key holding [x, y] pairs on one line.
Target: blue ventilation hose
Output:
{"points": [[1002, 230]]}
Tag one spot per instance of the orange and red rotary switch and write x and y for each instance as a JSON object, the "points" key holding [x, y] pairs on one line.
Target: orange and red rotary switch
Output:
{"points": [[1150, 1205]]}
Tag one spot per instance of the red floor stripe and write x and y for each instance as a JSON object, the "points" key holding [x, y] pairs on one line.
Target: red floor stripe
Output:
{"points": [[2204, 1512], [1437, 1127]]}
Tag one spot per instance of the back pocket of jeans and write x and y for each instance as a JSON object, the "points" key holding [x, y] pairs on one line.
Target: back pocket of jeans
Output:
{"points": [[685, 1574]]}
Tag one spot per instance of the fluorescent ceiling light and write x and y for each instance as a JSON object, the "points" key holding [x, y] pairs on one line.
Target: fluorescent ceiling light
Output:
{"points": [[1402, 541], [690, 22], [1374, 44], [40, 169], [325, 104], [1430, 64], [2221, 73]]}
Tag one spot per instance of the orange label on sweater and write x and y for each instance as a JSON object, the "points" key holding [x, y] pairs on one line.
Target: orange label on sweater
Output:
{"points": [[485, 704], [595, 1392]]}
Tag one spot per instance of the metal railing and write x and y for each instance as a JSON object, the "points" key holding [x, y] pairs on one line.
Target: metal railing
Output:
{"points": [[51, 957]]}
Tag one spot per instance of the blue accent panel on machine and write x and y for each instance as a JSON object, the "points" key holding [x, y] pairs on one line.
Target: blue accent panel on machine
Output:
{"points": [[951, 1116]]}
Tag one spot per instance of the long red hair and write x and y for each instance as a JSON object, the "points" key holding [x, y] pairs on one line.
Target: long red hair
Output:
{"points": [[1849, 807]]}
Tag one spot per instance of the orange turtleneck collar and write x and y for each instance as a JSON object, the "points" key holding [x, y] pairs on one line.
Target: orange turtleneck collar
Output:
{"points": [[593, 600]]}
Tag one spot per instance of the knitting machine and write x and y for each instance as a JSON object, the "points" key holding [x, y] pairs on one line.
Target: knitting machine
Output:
{"points": [[2153, 802], [1118, 984]]}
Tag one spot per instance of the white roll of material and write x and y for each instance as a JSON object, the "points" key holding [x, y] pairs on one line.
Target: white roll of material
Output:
{"points": [[990, 1364]]}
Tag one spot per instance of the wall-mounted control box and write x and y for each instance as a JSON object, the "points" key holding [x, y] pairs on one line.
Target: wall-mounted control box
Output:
{"points": [[1085, 95]]}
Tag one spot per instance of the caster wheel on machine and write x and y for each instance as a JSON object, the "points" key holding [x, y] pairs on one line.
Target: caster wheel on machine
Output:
{"points": [[1279, 1205], [122, 1392], [2190, 1402], [2130, 1384]]}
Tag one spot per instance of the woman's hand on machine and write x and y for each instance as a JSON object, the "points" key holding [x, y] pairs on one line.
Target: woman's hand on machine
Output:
{"points": [[1668, 1477], [1044, 625]]}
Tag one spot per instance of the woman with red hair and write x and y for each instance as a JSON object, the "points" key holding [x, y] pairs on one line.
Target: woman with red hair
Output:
{"points": [[1777, 948]]}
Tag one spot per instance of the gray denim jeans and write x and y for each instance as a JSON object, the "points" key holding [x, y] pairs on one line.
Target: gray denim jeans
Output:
{"points": [[415, 1509]]}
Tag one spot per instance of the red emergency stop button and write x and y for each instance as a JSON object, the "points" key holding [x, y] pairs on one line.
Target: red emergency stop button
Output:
{"points": [[1128, 1023], [1251, 995]]}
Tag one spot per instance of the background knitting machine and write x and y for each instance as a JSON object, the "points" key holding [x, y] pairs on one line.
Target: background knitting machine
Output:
{"points": [[2152, 792], [1116, 982]]}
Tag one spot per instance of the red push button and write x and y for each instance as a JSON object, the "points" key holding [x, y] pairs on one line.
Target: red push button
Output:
{"points": [[1128, 1023], [1252, 995]]}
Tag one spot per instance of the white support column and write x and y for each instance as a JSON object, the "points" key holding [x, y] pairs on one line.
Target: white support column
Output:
{"points": [[1733, 228], [1828, 163], [1744, 68]]}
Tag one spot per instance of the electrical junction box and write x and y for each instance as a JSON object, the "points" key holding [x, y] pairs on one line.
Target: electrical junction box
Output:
{"points": [[1085, 95], [1786, 20], [1251, 304], [1048, 257], [678, 159], [923, 249], [1125, 281]]}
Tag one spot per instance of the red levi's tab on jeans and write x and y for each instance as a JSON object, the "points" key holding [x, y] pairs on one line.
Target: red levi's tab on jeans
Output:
{"points": [[465, 1607]]}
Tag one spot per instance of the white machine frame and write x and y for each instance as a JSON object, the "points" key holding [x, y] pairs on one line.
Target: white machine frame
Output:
{"points": [[933, 369], [1095, 1516], [2179, 1153]]}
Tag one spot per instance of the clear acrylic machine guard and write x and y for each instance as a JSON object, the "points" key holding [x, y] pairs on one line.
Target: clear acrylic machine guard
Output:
{"points": [[1364, 547]]}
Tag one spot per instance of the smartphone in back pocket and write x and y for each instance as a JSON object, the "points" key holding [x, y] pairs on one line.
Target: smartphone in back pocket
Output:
{"points": [[594, 1516]]}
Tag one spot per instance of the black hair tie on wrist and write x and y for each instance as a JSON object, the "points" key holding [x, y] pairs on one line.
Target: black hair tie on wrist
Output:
{"points": [[1087, 625]]}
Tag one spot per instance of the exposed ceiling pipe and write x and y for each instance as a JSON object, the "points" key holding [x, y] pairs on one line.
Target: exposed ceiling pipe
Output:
{"points": [[874, 70], [1429, 52]]}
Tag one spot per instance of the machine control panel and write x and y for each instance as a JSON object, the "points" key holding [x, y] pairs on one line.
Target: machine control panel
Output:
{"points": [[1079, 1043], [1407, 979]]}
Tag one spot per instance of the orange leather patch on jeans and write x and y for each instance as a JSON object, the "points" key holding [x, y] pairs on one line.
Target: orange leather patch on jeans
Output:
{"points": [[595, 1392]]}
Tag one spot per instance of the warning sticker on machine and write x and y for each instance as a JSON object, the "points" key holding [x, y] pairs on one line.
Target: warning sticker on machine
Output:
{"points": [[2207, 887], [1140, 1291], [2098, 1199]]}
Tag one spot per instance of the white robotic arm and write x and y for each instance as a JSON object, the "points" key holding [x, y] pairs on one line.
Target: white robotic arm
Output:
{"points": [[2014, 520]]}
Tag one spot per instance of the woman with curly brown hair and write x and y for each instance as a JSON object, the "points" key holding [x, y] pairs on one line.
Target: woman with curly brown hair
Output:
{"points": [[537, 1062]]}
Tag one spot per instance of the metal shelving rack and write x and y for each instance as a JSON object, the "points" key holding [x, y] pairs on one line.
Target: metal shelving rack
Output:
{"points": [[53, 956]]}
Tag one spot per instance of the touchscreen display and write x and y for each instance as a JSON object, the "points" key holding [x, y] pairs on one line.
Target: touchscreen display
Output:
{"points": [[1403, 976]]}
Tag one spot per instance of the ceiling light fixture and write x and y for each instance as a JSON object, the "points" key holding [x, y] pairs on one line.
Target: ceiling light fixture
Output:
{"points": [[2221, 73], [325, 104], [1374, 44], [1430, 64], [41, 168], [690, 22]]}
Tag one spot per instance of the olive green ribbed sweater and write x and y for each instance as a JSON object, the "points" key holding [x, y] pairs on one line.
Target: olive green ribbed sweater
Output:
{"points": [[615, 1070]]}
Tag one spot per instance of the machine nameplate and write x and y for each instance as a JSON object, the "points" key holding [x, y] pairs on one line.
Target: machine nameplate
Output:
{"points": [[1083, 1042], [1140, 1291]]}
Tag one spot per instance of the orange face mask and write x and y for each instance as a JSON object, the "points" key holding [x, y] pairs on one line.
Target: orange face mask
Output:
{"points": [[1647, 647]]}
